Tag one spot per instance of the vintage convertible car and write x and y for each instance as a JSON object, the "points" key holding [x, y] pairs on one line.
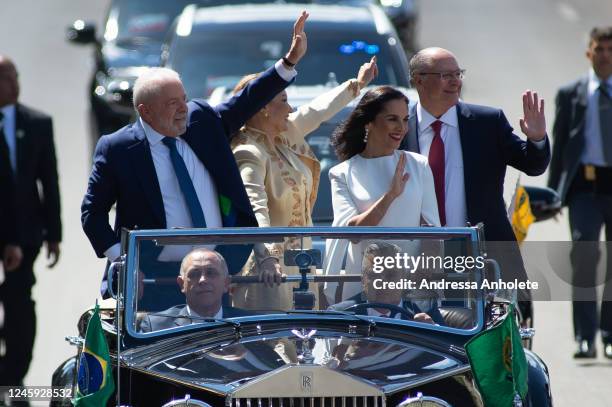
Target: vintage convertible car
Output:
{"points": [[338, 338]]}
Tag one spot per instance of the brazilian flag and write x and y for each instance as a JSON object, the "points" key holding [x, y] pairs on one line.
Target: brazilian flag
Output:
{"points": [[95, 377], [498, 363]]}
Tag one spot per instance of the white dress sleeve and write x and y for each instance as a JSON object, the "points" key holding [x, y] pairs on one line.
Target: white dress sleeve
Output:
{"points": [[344, 210]]}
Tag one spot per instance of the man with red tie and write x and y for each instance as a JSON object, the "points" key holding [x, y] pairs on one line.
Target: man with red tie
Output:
{"points": [[469, 146]]}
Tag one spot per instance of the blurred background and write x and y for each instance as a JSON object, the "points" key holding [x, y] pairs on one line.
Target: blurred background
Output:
{"points": [[506, 47]]}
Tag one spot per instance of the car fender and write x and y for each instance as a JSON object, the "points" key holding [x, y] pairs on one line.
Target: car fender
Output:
{"points": [[65, 377], [539, 393]]}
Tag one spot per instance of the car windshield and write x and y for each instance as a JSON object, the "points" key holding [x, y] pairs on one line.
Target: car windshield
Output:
{"points": [[150, 20], [205, 61], [186, 279]]}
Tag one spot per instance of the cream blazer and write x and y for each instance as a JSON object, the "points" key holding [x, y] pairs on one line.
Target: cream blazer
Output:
{"points": [[281, 176]]}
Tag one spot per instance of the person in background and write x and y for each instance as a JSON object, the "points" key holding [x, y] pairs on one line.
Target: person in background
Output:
{"points": [[581, 172], [281, 174], [26, 140], [375, 184]]}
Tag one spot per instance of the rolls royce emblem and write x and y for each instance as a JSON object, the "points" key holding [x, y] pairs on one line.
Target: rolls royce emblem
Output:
{"points": [[306, 382]]}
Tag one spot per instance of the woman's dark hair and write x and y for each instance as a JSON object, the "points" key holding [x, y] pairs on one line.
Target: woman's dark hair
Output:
{"points": [[347, 139]]}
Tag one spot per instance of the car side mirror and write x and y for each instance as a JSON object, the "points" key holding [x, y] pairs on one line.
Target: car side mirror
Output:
{"points": [[81, 32], [545, 203]]}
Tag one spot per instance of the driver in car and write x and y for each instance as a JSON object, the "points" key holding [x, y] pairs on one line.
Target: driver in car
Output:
{"points": [[382, 301], [203, 279]]}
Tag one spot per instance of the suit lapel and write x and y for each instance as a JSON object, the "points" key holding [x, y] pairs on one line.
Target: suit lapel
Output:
{"points": [[411, 141], [579, 103], [214, 152], [142, 165], [184, 318], [469, 150]]}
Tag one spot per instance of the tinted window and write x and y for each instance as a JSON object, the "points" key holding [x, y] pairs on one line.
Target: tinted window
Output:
{"points": [[221, 58]]}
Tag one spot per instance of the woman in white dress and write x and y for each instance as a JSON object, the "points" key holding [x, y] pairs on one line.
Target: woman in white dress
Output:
{"points": [[375, 184]]}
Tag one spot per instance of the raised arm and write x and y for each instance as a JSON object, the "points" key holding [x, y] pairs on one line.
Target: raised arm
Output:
{"points": [[259, 92], [309, 117]]}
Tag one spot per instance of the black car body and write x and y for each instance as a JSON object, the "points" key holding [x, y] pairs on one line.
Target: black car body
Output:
{"points": [[294, 357]]}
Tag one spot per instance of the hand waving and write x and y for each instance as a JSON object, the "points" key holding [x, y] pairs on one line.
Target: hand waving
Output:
{"points": [[299, 42], [400, 178], [533, 123], [367, 72]]}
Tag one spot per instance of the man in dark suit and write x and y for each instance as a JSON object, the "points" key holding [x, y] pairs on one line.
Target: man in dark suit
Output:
{"points": [[27, 137], [581, 171], [203, 279], [469, 147], [174, 166], [10, 252]]}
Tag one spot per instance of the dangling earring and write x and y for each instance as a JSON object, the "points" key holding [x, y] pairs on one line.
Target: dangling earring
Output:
{"points": [[265, 112], [365, 138]]}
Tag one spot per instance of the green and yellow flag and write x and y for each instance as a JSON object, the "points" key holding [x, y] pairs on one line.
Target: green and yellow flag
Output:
{"points": [[95, 383], [522, 217], [498, 363]]}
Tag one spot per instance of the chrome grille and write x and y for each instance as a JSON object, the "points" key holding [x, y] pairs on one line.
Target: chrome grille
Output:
{"points": [[351, 401]]}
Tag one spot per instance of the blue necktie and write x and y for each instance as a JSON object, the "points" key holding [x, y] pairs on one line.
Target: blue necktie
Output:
{"points": [[189, 192]]}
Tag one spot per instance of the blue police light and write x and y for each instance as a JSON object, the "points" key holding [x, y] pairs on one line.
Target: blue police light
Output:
{"points": [[359, 44], [347, 49], [372, 49]]}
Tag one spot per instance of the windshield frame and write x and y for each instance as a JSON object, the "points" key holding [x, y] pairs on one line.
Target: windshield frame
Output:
{"points": [[250, 235]]}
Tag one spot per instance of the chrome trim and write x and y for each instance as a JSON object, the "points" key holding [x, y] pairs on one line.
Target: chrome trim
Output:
{"points": [[420, 399], [429, 379], [75, 341], [527, 333], [186, 402]]}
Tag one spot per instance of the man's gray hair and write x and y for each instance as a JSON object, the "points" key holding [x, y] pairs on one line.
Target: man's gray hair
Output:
{"points": [[147, 86], [202, 251]]}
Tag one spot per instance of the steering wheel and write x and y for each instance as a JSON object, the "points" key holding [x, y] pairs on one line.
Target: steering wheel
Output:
{"points": [[393, 309]]}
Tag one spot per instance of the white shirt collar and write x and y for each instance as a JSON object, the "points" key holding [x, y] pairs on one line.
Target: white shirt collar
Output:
{"points": [[425, 119], [152, 135], [218, 315], [8, 111], [594, 81]]}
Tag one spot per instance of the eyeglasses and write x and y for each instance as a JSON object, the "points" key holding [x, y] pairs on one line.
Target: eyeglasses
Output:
{"points": [[447, 76]]}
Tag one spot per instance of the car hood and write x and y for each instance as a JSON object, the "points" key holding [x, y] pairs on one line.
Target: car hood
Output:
{"points": [[384, 363]]}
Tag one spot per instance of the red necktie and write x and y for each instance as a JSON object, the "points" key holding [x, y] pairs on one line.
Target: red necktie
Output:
{"points": [[436, 162]]}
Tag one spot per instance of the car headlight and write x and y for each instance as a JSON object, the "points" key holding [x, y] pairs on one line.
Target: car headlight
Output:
{"points": [[423, 401], [186, 402]]}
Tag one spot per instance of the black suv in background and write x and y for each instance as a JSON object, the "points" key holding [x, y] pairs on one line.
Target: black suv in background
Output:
{"points": [[131, 39]]}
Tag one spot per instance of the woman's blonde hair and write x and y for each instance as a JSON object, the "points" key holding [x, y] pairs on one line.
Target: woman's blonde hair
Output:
{"points": [[245, 81]]}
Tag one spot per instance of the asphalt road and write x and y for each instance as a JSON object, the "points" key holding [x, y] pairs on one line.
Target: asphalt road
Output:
{"points": [[506, 47]]}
